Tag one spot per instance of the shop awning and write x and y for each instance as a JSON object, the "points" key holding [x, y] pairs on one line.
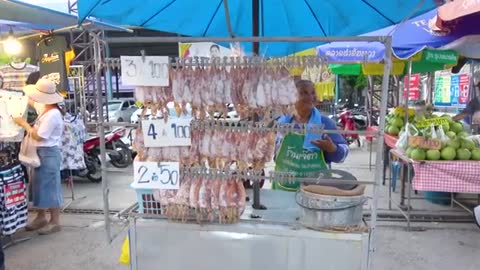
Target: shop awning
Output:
{"points": [[456, 9], [40, 18], [208, 18], [425, 61], [408, 39]]}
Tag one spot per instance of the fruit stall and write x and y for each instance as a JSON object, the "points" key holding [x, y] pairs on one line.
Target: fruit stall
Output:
{"points": [[438, 155]]}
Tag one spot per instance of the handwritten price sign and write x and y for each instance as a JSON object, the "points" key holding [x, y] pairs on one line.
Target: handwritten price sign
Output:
{"points": [[156, 175], [174, 132], [428, 122], [147, 71]]}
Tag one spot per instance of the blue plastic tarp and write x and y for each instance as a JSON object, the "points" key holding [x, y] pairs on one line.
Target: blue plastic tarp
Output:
{"points": [[206, 18], [409, 38]]}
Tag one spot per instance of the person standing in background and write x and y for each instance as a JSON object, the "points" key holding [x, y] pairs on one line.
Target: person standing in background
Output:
{"points": [[47, 133]]}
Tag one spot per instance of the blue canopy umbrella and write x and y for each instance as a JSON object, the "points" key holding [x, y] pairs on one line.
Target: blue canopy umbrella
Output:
{"points": [[409, 38], [208, 18]]}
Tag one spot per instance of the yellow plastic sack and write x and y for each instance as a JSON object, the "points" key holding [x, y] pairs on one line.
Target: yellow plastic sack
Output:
{"points": [[125, 256]]}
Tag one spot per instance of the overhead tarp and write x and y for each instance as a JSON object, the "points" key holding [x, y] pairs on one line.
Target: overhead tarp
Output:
{"points": [[207, 18], [408, 38], [40, 18]]}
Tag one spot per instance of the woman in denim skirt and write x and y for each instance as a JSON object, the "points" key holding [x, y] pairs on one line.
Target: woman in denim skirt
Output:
{"points": [[47, 132]]}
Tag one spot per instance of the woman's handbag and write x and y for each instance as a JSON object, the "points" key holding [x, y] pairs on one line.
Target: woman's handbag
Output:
{"points": [[28, 152]]}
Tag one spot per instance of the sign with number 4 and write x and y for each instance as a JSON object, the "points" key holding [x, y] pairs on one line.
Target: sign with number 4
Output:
{"points": [[174, 132], [156, 175]]}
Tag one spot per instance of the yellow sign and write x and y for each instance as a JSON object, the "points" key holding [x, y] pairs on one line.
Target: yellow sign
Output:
{"points": [[428, 122]]}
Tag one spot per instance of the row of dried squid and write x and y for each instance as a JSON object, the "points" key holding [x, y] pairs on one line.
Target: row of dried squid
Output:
{"points": [[215, 148], [207, 90], [205, 198]]}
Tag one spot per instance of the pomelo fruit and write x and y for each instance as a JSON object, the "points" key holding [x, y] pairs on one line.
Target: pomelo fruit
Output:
{"points": [[433, 154], [463, 134], [463, 154], [446, 127], [393, 130], [456, 127], [468, 144], [476, 154], [397, 121], [418, 154], [455, 143], [448, 153], [448, 117], [451, 134], [409, 151], [386, 128]]}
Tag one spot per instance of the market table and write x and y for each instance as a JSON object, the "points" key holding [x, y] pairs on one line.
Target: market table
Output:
{"points": [[275, 240], [439, 176], [389, 144]]}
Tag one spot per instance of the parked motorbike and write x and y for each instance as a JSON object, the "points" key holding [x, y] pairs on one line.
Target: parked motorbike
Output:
{"points": [[119, 153]]}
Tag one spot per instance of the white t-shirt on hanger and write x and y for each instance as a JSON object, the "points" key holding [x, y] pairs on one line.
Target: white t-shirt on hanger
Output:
{"points": [[11, 106], [49, 126]]}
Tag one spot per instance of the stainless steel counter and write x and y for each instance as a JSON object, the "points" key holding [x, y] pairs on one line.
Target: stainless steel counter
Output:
{"points": [[274, 241]]}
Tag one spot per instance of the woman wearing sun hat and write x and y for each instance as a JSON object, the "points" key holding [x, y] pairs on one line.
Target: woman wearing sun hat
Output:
{"points": [[47, 132]]}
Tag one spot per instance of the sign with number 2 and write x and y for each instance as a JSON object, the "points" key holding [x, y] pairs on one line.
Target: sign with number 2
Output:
{"points": [[156, 175]]}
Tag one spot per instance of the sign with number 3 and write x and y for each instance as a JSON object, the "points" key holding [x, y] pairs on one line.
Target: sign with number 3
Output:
{"points": [[145, 71], [156, 175]]}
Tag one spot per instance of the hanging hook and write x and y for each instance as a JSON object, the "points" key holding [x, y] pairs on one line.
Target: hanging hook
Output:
{"points": [[142, 53]]}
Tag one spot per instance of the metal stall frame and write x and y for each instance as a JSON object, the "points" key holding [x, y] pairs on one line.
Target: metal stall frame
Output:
{"points": [[386, 40]]}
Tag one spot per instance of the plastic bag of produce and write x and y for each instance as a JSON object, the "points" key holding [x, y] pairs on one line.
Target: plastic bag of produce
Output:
{"points": [[433, 133], [441, 134], [410, 130]]}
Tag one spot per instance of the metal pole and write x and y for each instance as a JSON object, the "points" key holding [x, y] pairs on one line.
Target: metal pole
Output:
{"points": [[409, 77], [101, 133], [256, 48], [379, 157], [240, 39], [108, 74]]}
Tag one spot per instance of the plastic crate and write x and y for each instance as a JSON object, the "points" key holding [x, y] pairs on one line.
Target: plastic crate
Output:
{"points": [[147, 203]]}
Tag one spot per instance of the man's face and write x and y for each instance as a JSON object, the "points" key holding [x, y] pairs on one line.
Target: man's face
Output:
{"points": [[214, 52]]}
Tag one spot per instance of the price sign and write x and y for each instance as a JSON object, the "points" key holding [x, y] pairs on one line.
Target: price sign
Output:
{"points": [[156, 175], [425, 143], [15, 194], [147, 71], [174, 132], [428, 122]]}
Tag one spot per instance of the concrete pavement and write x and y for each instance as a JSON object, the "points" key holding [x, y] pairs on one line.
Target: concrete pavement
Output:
{"points": [[82, 244]]}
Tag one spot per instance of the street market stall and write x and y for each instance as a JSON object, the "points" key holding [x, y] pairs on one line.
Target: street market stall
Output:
{"points": [[219, 144], [251, 228]]}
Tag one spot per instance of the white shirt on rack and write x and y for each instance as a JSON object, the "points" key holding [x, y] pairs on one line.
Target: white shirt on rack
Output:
{"points": [[11, 105], [49, 126]]}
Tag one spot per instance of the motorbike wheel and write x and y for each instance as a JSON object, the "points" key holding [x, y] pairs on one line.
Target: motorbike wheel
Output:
{"points": [[359, 144], [125, 158], [94, 167]]}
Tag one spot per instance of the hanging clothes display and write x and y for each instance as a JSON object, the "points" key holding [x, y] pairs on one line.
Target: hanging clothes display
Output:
{"points": [[13, 199], [72, 143], [51, 55], [11, 106], [14, 75]]}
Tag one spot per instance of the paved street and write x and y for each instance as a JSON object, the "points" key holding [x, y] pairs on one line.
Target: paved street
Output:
{"points": [[82, 244]]}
